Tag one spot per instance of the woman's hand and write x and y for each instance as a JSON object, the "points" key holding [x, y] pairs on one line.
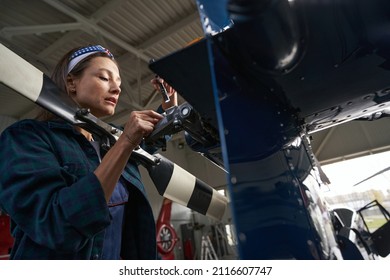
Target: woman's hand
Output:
{"points": [[139, 125], [171, 92]]}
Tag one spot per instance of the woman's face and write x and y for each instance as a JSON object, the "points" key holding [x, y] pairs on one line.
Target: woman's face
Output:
{"points": [[98, 88]]}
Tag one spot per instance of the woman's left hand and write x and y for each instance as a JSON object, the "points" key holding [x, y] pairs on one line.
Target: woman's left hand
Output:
{"points": [[171, 92]]}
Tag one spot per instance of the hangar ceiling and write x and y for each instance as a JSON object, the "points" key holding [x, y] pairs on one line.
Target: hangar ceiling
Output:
{"points": [[136, 31]]}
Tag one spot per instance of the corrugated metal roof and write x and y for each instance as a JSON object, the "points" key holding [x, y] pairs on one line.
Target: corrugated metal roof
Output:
{"points": [[41, 31]]}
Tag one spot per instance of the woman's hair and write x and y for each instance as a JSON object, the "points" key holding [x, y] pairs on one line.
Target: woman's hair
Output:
{"points": [[60, 73]]}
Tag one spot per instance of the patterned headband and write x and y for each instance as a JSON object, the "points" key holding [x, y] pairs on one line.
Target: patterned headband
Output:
{"points": [[82, 53]]}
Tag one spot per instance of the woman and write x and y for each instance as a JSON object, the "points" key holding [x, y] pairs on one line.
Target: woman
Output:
{"points": [[65, 201]]}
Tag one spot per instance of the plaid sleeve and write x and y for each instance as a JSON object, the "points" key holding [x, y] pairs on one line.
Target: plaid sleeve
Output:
{"points": [[36, 192]]}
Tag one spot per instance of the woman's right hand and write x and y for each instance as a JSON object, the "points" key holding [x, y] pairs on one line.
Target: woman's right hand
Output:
{"points": [[139, 125]]}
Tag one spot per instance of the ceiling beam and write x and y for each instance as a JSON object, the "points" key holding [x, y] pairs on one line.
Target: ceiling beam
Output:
{"points": [[90, 24], [10, 31]]}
